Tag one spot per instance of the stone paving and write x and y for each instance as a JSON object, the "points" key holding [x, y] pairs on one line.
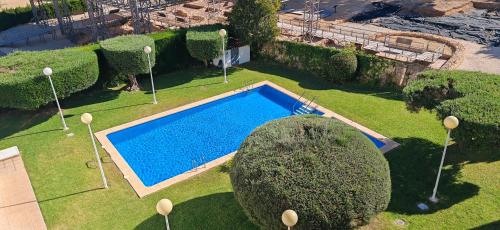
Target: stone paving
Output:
{"points": [[19, 208]]}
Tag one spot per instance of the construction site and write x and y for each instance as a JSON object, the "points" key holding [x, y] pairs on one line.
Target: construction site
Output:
{"points": [[425, 32]]}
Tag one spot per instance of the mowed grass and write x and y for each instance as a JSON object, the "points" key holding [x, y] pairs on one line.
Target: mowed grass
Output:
{"points": [[70, 194]]}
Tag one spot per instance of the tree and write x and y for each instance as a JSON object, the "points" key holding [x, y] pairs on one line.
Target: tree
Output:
{"points": [[255, 21], [330, 173], [126, 55], [204, 43]]}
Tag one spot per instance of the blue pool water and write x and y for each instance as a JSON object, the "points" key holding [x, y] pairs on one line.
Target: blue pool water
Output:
{"points": [[166, 147]]}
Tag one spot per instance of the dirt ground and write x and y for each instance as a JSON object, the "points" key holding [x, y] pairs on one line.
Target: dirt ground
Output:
{"points": [[7, 4]]}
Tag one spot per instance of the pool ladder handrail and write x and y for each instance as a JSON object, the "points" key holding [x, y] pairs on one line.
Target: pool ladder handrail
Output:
{"points": [[202, 162], [306, 107], [298, 100]]}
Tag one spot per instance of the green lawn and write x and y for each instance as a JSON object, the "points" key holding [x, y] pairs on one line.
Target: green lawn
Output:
{"points": [[70, 196]]}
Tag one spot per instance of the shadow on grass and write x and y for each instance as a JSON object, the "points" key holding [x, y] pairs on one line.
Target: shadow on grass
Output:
{"points": [[215, 211], [91, 96], [14, 121], [307, 80], [490, 226], [414, 167], [69, 195], [182, 77]]}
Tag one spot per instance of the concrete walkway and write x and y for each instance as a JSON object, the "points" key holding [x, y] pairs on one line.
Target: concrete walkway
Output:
{"points": [[19, 208]]}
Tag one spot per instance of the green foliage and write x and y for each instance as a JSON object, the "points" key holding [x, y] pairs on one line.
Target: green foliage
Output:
{"points": [[254, 21], [331, 174], [171, 51], [473, 97], [371, 68], [204, 43], [125, 54], [23, 85], [20, 15], [331, 64]]}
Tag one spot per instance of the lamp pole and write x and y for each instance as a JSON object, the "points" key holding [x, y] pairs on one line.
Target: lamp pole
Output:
{"points": [[223, 34], [450, 123], [86, 118], [147, 50], [47, 71], [164, 207], [289, 218]]}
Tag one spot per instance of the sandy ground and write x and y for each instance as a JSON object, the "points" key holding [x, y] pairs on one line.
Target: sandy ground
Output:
{"points": [[6, 4], [481, 58]]}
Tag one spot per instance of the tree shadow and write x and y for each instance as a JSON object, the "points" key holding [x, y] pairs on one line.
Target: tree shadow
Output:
{"points": [[91, 96], [14, 121], [308, 81], [489, 226], [184, 76], [414, 167], [214, 211]]}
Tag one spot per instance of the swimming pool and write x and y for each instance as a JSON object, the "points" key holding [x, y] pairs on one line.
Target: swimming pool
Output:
{"points": [[167, 146]]}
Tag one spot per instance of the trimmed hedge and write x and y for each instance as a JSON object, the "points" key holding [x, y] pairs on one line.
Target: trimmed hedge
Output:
{"points": [[126, 54], [23, 85], [171, 51], [473, 97], [331, 64], [331, 174], [204, 42], [371, 68], [21, 15]]}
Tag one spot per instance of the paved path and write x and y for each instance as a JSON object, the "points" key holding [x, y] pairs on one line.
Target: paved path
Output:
{"points": [[353, 35], [480, 58], [19, 208]]}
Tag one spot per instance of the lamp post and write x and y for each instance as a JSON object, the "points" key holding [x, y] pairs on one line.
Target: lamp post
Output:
{"points": [[47, 71], [164, 207], [289, 218], [147, 50], [86, 118], [223, 34], [450, 123]]}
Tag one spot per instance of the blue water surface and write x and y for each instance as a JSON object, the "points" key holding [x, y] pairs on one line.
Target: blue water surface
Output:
{"points": [[166, 147]]}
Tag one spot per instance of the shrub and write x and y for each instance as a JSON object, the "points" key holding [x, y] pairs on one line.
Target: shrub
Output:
{"points": [[472, 97], [331, 174], [23, 85], [20, 15], [125, 54], [331, 64], [171, 51], [204, 43], [371, 68], [254, 21]]}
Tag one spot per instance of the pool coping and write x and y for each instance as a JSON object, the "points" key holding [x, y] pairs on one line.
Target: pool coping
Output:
{"points": [[142, 190]]}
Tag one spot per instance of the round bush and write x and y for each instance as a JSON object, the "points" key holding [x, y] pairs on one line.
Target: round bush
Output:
{"points": [[204, 43], [342, 66], [332, 175], [23, 85], [126, 54]]}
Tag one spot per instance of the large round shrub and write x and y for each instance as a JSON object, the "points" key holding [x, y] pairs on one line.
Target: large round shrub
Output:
{"points": [[23, 85], [332, 175], [126, 55], [342, 66], [204, 43]]}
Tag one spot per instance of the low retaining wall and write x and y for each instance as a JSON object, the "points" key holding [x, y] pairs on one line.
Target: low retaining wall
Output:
{"points": [[458, 49]]}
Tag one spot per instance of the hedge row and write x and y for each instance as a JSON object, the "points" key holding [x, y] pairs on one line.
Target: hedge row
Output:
{"points": [[473, 97], [23, 85], [331, 64], [21, 15], [331, 174], [204, 43]]}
